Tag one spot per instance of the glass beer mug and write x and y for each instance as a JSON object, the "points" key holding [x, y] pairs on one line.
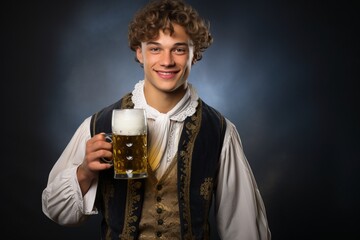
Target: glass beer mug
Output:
{"points": [[129, 139]]}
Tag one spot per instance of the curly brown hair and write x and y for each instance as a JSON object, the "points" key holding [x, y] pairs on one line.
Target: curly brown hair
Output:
{"points": [[159, 15]]}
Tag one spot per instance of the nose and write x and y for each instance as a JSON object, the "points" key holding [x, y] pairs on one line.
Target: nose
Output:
{"points": [[167, 59]]}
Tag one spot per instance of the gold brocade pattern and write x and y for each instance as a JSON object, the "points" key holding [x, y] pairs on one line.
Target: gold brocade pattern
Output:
{"points": [[206, 191], [206, 188], [192, 129], [132, 198], [160, 218]]}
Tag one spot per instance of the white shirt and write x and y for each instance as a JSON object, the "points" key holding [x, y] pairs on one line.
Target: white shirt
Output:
{"points": [[240, 212]]}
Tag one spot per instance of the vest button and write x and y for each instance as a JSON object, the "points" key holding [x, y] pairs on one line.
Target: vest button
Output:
{"points": [[160, 222], [159, 234], [159, 210], [158, 199], [159, 187]]}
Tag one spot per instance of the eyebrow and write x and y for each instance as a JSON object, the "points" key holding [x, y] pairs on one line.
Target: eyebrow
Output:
{"points": [[176, 44]]}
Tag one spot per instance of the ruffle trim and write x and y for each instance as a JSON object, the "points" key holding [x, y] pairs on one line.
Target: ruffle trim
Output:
{"points": [[186, 107]]}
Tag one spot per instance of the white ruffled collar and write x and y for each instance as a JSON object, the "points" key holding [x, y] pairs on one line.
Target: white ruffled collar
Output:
{"points": [[186, 107]]}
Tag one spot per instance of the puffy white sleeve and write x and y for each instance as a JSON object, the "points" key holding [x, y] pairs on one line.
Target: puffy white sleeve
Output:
{"points": [[62, 200], [240, 211]]}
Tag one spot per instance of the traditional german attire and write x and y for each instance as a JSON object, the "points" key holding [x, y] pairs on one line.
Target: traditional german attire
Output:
{"points": [[197, 154]]}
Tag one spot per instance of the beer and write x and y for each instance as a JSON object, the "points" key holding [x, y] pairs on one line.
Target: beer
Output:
{"points": [[129, 138], [130, 156]]}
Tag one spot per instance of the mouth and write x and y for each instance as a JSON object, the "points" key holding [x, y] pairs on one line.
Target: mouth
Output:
{"points": [[166, 74]]}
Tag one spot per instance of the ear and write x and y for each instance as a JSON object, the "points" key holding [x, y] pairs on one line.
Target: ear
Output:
{"points": [[139, 55]]}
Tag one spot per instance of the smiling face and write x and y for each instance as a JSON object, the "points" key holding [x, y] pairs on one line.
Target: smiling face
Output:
{"points": [[167, 63]]}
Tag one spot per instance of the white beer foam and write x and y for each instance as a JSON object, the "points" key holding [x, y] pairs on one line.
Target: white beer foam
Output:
{"points": [[128, 122]]}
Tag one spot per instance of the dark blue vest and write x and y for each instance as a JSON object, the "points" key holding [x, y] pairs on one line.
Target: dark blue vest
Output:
{"points": [[120, 201]]}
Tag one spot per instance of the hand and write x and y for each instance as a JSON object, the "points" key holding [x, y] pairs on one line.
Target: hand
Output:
{"points": [[96, 148]]}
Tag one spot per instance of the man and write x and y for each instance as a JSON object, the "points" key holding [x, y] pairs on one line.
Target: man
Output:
{"points": [[194, 152]]}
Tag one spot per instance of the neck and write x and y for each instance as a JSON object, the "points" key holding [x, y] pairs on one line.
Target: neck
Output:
{"points": [[164, 101]]}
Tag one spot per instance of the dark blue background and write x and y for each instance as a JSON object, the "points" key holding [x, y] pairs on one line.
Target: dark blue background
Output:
{"points": [[283, 71]]}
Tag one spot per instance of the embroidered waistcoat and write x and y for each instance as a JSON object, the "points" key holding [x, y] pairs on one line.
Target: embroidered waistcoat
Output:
{"points": [[121, 201], [161, 217]]}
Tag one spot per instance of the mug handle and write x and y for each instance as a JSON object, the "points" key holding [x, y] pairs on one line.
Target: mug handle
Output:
{"points": [[108, 138]]}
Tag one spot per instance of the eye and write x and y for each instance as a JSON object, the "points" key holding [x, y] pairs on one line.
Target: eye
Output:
{"points": [[180, 51], [154, 49]]}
